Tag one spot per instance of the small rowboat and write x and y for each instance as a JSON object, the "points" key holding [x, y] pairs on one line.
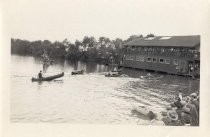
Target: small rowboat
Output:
{"points": [[141, 109], [144, 111], [77, 72], [113, 75], [151, 78], [119, 70], [48, 78]]}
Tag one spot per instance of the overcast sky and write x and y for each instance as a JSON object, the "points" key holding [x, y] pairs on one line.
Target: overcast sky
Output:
{"points": [[74, 19]]}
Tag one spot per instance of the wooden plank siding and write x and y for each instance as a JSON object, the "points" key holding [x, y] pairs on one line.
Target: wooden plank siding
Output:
{"points": [[170, 67], [163, 55]]}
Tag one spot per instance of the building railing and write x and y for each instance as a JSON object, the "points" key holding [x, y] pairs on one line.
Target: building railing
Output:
{"points": [[185, 53]]}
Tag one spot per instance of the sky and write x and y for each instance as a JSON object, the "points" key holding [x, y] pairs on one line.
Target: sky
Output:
{"points": [[74, 19]]}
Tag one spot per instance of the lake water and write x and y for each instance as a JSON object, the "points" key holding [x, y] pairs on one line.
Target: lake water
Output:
{"points": [[91, 98]]}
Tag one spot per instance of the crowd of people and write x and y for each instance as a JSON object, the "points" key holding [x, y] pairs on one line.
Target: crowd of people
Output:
{"points": [[184, 111]]}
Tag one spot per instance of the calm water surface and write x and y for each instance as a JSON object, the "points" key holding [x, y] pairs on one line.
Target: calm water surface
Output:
{"points": [[91, 98]]}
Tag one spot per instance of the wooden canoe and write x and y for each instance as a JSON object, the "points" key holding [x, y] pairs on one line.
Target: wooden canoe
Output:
{"points": [[151, 78], [141, 109], [48, 78], [113, 75], [145, 111], [77, 72]]}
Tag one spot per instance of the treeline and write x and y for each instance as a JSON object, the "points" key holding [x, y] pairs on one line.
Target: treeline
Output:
{"points": [[36, 48], [89, 49]]}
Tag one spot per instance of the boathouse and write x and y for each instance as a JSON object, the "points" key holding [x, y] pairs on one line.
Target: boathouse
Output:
{"points": [[170, 54]]}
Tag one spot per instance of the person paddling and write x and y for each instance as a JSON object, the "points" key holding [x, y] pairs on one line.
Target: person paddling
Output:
{"points": [[40, 74]]}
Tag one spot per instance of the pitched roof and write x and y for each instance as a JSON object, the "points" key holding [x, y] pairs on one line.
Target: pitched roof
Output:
{"points": [[166, 41]]}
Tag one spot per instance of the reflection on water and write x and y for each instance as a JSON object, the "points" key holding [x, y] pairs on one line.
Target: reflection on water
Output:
{"points": [[89, 98]]}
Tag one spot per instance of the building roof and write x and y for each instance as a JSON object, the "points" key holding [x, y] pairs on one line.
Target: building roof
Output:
{"points": [[166, 41]]}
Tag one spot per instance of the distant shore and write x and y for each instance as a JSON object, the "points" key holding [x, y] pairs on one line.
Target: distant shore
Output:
{"points": [[103, 50]]}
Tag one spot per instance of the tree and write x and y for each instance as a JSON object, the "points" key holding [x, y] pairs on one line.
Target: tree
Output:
{"points": [[132, 37], [78, 43], [66, 42], [150, 35], [118, 43], [88, 41]]}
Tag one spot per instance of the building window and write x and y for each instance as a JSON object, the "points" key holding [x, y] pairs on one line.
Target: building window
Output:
{"points": [[175, 62], [137, 58], [161, 60], [133, 48], [154, 60], [131, 57], [127, 57], [167, 61], [149, 59], [150, 38], [164, 38], [142, 59]]}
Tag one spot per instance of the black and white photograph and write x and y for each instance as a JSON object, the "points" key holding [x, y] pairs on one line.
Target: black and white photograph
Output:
{"points": [[143, 80], [106, 62]]}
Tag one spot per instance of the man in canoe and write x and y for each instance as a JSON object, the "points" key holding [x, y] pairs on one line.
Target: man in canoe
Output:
{"points": [[40, 74]]}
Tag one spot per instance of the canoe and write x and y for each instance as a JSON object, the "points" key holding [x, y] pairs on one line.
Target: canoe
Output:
{"points": [[151, 78], [118, 70], [145, 111], [113, 75], [77, 72], [48, 78], [141, 109]]}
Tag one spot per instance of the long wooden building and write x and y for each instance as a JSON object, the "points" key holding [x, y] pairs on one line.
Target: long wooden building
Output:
{"points": [[171, 54]]}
